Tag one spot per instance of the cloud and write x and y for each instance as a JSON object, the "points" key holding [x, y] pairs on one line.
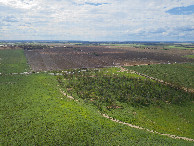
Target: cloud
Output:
{"points": [[95, 19], [10, 19], [21, 4]]}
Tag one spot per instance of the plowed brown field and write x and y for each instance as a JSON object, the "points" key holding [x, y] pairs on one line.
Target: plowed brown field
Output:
{"points": [[59, 58]]}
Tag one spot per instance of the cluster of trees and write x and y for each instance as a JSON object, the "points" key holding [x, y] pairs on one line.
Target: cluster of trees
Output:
{"points": [[106, 90], [32, 47]]}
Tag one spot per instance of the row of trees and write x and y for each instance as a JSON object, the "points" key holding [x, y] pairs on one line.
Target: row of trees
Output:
{"points": [[32, 47]]}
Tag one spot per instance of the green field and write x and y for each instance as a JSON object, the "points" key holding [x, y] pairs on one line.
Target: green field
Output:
{"points": [[124, 45], [189, 56], [12, 61], [154, 45], [178, 47], [178, 74], [133, 99], [35, 112]]}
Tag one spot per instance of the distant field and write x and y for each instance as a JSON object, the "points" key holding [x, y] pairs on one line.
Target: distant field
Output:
{"points": [[189, 56], [124, 45], [179, 47], [160, 45], [12, 61], [179, 74], [59, 58]]}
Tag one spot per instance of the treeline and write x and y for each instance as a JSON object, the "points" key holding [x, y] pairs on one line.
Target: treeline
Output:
{"points": [[32, 47]]}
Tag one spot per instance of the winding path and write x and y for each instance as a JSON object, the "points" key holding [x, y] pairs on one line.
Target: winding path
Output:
{"points": [[132, 126], [151, 131]]}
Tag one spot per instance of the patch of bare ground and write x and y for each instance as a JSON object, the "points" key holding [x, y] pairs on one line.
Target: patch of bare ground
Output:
{"points": [[60, 58], [65, 94]]}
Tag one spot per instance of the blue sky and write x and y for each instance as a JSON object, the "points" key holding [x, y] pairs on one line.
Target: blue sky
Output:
{"points": [[97, 20]]}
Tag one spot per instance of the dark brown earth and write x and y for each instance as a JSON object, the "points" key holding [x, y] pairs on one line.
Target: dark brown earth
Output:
{"points": [[59, 58]]}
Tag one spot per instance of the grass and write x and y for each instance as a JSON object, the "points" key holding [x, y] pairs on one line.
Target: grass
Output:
{"points": [[189, 56], [113, 97], [178, 47], [124, 45], [13, 61], [171, 119], [179, 74], [34, 112]]}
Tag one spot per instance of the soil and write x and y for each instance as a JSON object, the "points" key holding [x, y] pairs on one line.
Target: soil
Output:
{"points": [[59, 58]]}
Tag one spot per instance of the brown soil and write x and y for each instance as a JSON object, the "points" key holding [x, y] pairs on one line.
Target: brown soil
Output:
{"points": [[59, 58]]}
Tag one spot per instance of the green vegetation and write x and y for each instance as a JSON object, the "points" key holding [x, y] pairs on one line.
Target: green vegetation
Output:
{"points": [[124, 45], [178, 74], [12, 61], [182, 47], [133, 99], [152, 45], [189, 56], [169, 118], [117, 45], [109, 89], [33, 111]]}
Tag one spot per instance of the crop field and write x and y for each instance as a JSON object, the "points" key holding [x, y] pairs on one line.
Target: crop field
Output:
{"points": [[133, 99], [180, 47], [189, 56], [68, 106], [12, 61], [153, 45], [59, 58], [33, 111], [178, 74]]}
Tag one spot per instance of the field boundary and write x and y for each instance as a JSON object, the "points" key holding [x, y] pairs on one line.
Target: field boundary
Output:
{"points": [[151, 131]]}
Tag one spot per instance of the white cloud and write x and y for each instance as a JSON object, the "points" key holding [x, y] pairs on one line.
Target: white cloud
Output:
{"points": [[83, 20], [22, 4]]}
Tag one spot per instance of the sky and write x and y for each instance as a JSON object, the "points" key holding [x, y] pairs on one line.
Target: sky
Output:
{"points": [[97, 20]]}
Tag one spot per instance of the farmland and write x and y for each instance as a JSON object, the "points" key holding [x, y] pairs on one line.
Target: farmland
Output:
{"points": [[33, 111], [154, 45], [75, 56], [181, 47], [12, 61], [36, 108], [179, 74], [133, 99], [189, 56]]}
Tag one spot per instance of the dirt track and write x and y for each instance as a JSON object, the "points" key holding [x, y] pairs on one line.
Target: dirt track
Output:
{"points": [[151, 131], [130, 125], [59, 58]]}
